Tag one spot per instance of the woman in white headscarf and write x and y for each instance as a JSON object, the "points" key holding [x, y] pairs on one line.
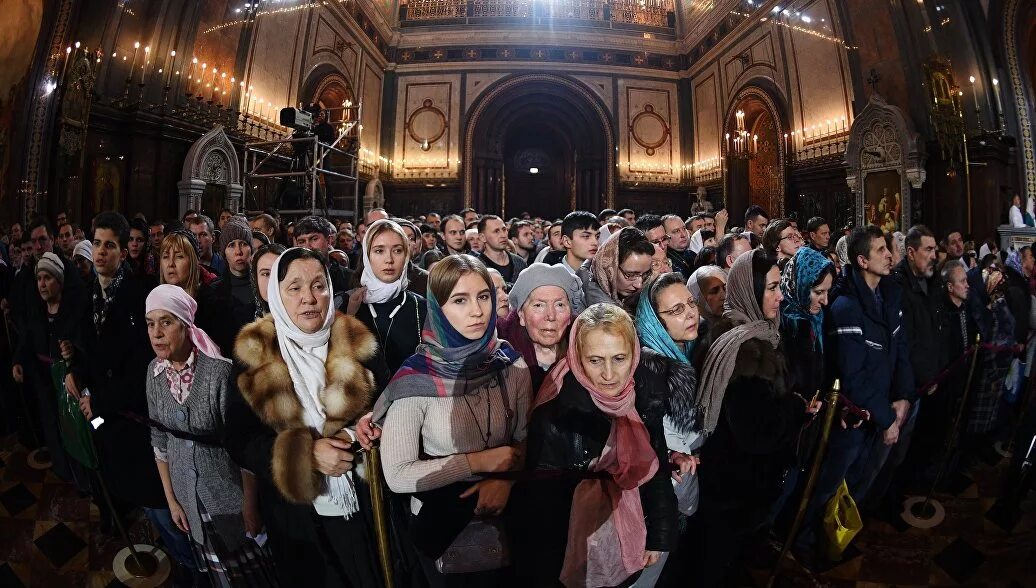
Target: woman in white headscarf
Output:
{"points": [[305, 374], [383, 302]]}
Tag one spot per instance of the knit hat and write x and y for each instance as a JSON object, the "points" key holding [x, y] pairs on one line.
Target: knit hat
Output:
{"points": [[84, 249], [51, 264], [236, 228], [541, 274]]}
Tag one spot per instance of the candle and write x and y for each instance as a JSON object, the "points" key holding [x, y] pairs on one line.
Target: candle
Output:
{"points": [[973, 93], [64, 67], [250, 94], [169, 68], [996, 92], [133, 64], [190, 73], [147, 59]]}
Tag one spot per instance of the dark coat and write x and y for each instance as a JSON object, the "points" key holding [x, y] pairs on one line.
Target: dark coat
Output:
{"points": [[1019, 300], [922, 319], [23, 293], [744, 459], [806, 369], [215, 317], [682, 261], [400, 335], [870, 347], [566, 434], [113, 365]]}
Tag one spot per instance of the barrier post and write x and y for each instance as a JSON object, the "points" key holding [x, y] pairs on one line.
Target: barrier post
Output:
{"points": [[381, 529]]}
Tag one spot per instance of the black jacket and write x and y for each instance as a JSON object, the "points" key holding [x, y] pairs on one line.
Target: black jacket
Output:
{"points": [[1019, 300], [400, 335], [682, 261], [922, 318], [755, 438], [566, 434]]}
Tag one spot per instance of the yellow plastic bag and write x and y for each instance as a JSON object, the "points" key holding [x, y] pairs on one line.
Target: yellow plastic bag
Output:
{"points": [[841, 522]]}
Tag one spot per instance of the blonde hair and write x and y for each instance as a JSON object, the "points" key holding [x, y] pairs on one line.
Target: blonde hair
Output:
{"points": [[180, 244], [607, 317]]}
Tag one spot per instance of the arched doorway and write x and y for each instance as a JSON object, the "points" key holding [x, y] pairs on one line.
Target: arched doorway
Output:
{"points": [[331, 91], [541, 144], [760, 178]]}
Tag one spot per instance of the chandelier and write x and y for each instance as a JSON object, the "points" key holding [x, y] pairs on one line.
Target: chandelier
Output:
{"points": [[742, 145]]}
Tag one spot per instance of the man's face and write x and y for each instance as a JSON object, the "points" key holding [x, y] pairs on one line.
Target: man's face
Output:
{"points": [[710, 224], [879, 258], [658, 237], [957, 284], [922, 259], [630, 217], [62, 218], [453, 234], [201, 231], [821, 237], [16, 232], [315, 241], [679, 238], [1027, 262], [42, 242], [28, 250], [955, 245], [470, 217], [433, 221], [555, 237], [740, 246], [48, 286], [582, 244], [157, 234], [361, 230], [223, 218], [526, 238], [345, 241], [376, 215], [66, 239], [16, 256], [697, 224], [108, 254], [757, 226], [260, 226]]}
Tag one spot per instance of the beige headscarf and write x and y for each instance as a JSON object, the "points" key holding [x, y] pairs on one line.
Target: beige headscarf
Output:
{"points": [[742, 308], [605, 265]]}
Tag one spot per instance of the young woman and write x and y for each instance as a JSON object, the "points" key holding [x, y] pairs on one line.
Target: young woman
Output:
{"points": [[619, 269], [608, 509], [456, 409], [141, 259], [209, 497], [180, 266], [750, 418], [262, 262], [805, 283], [383, 302], [305, 377]]}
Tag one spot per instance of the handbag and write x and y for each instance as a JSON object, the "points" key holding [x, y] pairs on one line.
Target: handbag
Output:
{"points": [[481, 546], [841, 522]]}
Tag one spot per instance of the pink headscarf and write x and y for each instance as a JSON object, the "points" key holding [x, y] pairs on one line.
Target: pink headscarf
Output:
{"points": [[176, 301], [606, 513]]}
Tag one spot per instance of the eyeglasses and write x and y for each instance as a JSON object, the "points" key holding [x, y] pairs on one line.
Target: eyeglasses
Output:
{"points": [[795, 238], [632, 276], [660, 240], [682, 309]]}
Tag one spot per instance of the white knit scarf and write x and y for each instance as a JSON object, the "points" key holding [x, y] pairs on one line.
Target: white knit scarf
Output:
{"points": [[305, 355]]}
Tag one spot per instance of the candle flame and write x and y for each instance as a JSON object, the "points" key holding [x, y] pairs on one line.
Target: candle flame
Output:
{"points": [[136, 45]]}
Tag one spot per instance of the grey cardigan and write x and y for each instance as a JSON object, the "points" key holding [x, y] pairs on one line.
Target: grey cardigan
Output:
{"points": [[203, 476]]}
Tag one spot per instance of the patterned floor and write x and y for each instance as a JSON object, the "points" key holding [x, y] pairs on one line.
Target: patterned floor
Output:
{"points": [[49, 536]]}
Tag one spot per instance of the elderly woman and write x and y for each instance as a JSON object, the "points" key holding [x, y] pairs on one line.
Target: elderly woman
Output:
{"points": [[262, 261], [503, 303], [607, 510], [456, 409], [750, 418], [543, 301], [619, 269], [209, 497], [305, 378], [383, 302]]}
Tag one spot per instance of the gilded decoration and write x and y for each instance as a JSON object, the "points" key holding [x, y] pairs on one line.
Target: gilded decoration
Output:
{"points": [[426, 125], [649, 130]]}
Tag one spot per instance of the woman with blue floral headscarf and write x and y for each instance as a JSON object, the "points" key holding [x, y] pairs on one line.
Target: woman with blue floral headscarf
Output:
{"points": [[805, 282]]}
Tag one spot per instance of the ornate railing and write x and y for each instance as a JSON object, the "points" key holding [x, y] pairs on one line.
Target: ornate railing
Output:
{"points": [[656, 13]]}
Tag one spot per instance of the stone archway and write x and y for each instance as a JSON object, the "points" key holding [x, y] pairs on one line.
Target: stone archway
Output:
{"points": [[1019, 47], [546, 136], [762, 179], [210, 162], [373, 197]]}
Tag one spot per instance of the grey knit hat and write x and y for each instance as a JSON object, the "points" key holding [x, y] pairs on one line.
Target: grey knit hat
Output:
{"points": [[236, 228], [541, 274], [51, 264]]}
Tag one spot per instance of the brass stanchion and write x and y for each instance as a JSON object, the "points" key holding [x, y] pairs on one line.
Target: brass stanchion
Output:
{"points": [[927, 512], [381, 528], [829, 418]]}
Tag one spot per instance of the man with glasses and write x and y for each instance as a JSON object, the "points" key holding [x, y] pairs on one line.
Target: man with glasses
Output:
{"points": [[679, 241], [781, 239]]}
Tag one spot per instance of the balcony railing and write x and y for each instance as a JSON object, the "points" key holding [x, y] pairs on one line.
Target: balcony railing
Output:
{"points": [[653, 13]]}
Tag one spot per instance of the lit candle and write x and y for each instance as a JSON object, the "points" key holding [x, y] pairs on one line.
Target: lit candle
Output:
{"points": [[190, 73], [68, 54], [133, 64], [996, 92], [204, 66], [250, 94], [974, 94], [169, 67]]}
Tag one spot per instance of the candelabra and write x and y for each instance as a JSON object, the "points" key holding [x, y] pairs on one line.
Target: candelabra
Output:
{"points": [[742, 145]]}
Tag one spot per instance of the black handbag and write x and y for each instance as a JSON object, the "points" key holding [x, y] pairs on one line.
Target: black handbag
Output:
{"points": [[481, 546]]}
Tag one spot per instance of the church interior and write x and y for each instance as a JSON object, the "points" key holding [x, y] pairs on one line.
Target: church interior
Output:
{"points": [[885, 112]]}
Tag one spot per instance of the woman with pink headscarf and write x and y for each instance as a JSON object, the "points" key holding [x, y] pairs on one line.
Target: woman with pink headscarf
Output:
{"points": [[210, 498]]}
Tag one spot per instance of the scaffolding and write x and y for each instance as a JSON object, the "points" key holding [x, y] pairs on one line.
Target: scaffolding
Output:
{"points": [[329, 173]]}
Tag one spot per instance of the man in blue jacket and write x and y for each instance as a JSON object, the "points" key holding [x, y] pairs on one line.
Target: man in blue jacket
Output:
{"points": [[873, 363]]}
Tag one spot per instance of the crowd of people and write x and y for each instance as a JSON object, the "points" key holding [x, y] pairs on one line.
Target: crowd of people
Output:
{"points": [[606, 399]]}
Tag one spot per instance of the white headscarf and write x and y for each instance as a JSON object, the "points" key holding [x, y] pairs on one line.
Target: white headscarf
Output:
{"points": [[378, 291], [305, 354], [694, 285], [697, 243]]}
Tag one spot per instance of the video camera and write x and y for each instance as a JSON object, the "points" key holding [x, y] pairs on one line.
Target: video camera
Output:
{"points": [[297, 119]]}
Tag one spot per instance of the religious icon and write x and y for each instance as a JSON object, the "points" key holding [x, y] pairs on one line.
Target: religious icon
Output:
{"points": [[883, 204]]}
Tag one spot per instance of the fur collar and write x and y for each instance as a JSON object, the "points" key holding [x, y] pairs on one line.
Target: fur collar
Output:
{"points": [[266, 384], [682, 384], [755, 358]]}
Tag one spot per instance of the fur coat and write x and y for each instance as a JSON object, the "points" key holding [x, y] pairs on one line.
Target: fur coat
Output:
{"points": [[266, 386]]}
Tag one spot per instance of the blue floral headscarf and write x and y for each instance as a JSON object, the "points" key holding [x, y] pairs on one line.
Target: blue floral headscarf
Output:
{"points": [[652, 332], [800, 274]]}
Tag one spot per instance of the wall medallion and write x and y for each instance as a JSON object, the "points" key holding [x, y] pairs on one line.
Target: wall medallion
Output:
{"points": [[426, 125], [649, 129]]}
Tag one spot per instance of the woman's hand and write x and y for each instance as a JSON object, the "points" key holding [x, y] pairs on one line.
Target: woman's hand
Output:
{"points": [[355, 300], [492, 496], [366, 431], [651, 558], [84, 406], [497, 459], [179, 516], [686, 463], [66, 349], [253, 520], [17, 373], [814, 407], [71, 387], [332, 456]]}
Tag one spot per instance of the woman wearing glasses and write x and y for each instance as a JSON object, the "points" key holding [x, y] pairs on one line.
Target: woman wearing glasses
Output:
{"points": [[782, 240], [620, 268]]}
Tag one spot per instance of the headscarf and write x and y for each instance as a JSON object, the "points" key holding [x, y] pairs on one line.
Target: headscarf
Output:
{"points": [[604, 267], [696, 242], [84, 249], [842, 249], [1014, 261], [800, 273], [653, 334], [176, 301], [694, 285], [742, 308], [899, 242], [305, 354], [447, 363], [606, 552], [378, 291]]}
